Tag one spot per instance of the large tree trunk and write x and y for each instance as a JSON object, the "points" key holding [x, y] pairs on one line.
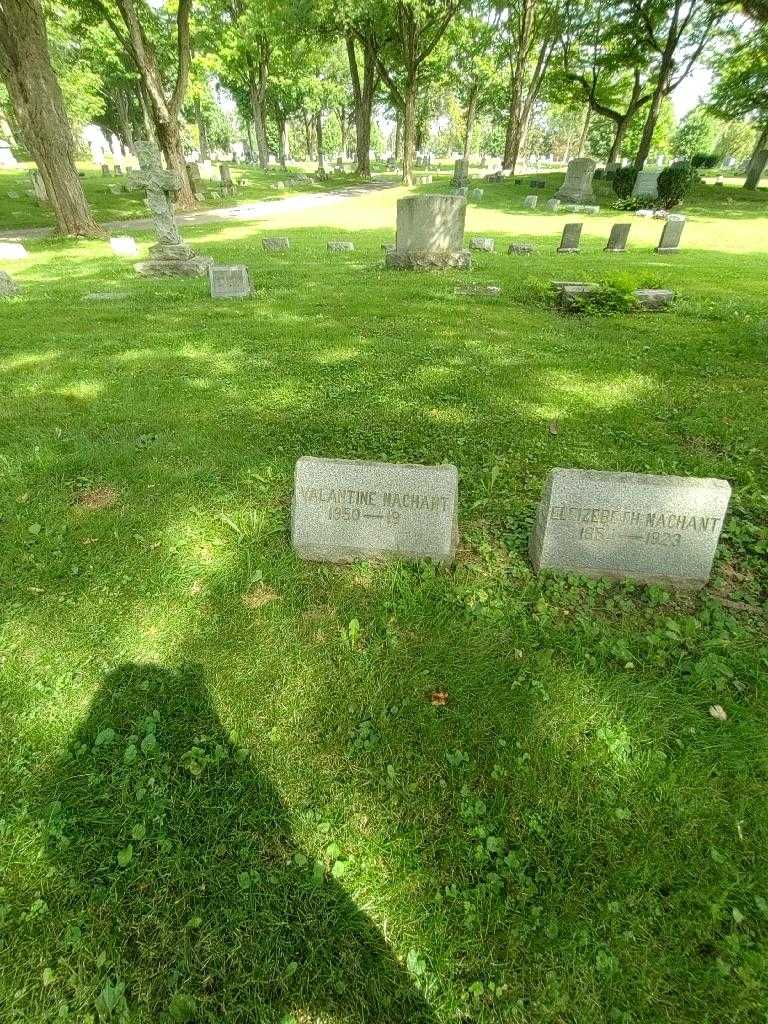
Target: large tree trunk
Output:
{"points": [[123, 108], [398, 135], [757, 160], [409, 128], [650, 122], [257, 88], [164, 111], [202, 131], [622, 125], [282, 140], [469, 120], [363, 93], [35, 93]]}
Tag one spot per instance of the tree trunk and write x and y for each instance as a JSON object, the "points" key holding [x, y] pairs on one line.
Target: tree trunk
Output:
{"points": [[622, 124], [123, 109], [469, 121], [257, 85], [282, 140], [37, 100], [757, 161], [409, 129], [650, 124], [363, 92], [398, 136], [584, 130], [146, 113], [309, 132], [319, 135], [202, 131]]}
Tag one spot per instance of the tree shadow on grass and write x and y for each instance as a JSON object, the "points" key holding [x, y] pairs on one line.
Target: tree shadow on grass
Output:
{"points": [[183, 871]]}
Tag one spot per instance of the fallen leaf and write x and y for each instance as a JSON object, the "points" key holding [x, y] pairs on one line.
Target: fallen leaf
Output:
{"points": [[439, 698], [718, 712]]}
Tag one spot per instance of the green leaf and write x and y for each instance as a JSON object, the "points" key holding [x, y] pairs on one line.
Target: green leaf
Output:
{"points": [[125, 856], [149, 744], [415, 963], [34, 528], [244, 880], [139, 831], [738, 917], [182, 1008], [131, 753], [104, 738], [339, 868], [48, 977], [332, 851]]}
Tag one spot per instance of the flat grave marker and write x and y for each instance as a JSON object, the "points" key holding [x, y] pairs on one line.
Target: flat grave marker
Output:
{"points": [[229, 282], [345, 510], [655, 529]]}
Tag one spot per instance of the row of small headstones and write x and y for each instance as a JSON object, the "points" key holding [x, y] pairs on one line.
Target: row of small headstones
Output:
{"points": [[571, 238], [601, 524]]}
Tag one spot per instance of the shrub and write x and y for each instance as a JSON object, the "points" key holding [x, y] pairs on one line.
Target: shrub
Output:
{"points": [[674, 184], [704, 160], [624, 181]]}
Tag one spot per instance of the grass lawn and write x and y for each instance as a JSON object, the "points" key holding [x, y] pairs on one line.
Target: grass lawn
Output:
{"points": [[225, 794]]}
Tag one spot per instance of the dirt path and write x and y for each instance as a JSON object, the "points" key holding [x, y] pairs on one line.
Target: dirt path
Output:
{"points": [[243, 211]]}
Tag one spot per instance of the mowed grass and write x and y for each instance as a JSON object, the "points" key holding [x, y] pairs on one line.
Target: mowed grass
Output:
{"points": [[226, 792]]}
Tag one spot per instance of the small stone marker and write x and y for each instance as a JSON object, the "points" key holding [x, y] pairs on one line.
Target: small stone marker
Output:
{"points": [[345, 510], [463, 191], [105, 296], [530, 202], [118, 171], [491, 290], [476, 194], [105, 171], [124, 245], [670, 236], [38, 186], [571, 238], [651, 300], [655, 529], [617, 240], [226, 177], [424, 179], [8, 286], [520, 249], [12, 251], [553, 204], [116, 190], [577, 187], [582, 208], [341, 246], [483, 244], [229, 282], [276, 243], [644, 213]]}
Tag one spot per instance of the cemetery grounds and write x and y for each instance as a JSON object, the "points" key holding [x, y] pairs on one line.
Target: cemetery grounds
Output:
{"points": [[240, 787]]}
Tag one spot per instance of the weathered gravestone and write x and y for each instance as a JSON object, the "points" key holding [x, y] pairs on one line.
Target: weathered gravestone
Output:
{"points": [[105, 296], [424, 179], [430, 233], [646, 184], [38, 186], [460, 173], [341, 246], [12, 251], [118, 171], [482, 244], [570, 238], [193, 173], [170, 257], [670, 236], [553, 204], [124, 245], [656, 529], [520, 249], [105, 171], [229, 282], [617, 240], [8, 286], [577, 187], [276, 243], [530, 202], [476, 194], [226, 177], [345, 510]]}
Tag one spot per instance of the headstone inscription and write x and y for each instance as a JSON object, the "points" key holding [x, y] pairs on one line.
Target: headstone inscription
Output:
{"points": [[124, 245], [12, 251], [646, 184], [345, 510], [8, 286], [617, 240], [655, 529], [670, 236], [276, 243], [430, 233], [577, 187], [170, 257], [229, 282], [570, 238]]}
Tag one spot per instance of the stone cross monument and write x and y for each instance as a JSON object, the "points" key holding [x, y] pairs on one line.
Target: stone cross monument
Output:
{"points": [[170, 257]]}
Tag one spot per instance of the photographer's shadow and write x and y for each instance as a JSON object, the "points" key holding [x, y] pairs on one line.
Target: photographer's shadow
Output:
{"points": [[183, 871]]}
